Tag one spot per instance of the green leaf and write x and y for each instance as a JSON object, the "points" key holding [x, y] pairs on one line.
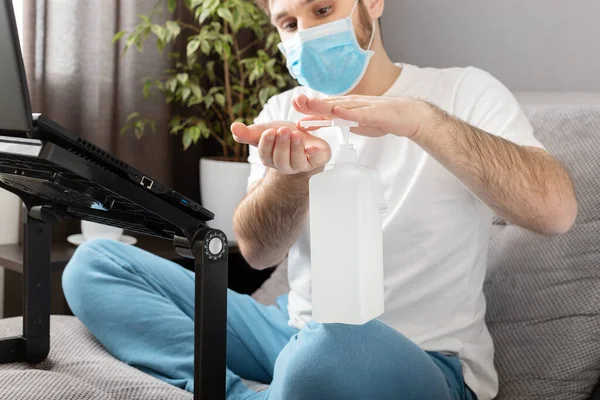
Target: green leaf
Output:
{"points": [[237, 19], [204, 130], [171, 85], [219, 48], [215, 89], [159, 31], [133, 115], [254, 75], [225, 14], [173, 28], [187, 139], [209, 101], [118, 36], [211, 4], [210, 70], [205, 14], [131, 40], [263, 95], [138, 129], [192, 46], [185, 93], [227, 49], [194, 100], [196, 90], [183, 78], [237, 108], [205, 47], [172, 5], [272, 40], [147, 86], [280, 81], [191, 135], [220, 98], [175, 127]]}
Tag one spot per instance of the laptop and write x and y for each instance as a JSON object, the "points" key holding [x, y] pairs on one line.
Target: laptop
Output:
{"points": [[22, 132]]}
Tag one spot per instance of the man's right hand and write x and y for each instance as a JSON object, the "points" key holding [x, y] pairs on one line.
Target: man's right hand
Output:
{"points": [[283, 147]]}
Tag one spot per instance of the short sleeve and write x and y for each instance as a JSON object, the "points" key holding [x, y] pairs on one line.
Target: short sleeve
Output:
{"points": [[257, 169], [484, 102]]}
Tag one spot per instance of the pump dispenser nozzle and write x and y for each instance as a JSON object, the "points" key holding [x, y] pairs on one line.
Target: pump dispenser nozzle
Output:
{"points": [[346, 152]]}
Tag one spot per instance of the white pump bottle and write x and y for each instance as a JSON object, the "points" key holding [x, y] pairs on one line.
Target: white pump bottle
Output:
{"points": [[346, 203]]}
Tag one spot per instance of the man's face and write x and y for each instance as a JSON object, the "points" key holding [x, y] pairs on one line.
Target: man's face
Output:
{"points": [[292, 16]]}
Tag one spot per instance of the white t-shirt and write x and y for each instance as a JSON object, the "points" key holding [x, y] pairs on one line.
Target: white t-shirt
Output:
{"points": [[435, 232]]}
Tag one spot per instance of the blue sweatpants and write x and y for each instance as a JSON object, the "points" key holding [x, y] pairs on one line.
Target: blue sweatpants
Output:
{"points": [[141, 308]]}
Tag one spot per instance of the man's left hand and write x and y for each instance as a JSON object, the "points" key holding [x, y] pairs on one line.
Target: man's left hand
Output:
{"points": [[377, 116]]}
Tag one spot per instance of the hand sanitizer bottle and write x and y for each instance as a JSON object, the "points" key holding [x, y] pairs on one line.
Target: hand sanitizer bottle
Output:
{"points": [[346, 237]]}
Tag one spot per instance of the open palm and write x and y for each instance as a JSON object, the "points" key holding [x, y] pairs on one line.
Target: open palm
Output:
{"points": [[283, 147]]}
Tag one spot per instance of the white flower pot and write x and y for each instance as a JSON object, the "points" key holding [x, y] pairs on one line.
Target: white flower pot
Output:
{"points": [[223, 185]]}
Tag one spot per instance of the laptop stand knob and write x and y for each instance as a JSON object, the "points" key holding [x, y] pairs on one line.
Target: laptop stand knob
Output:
{"points": [[215, 246]]}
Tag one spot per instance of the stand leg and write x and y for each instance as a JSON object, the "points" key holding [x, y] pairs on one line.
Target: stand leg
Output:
{"points": [[36, 290], [34, 345], [210, 329]]}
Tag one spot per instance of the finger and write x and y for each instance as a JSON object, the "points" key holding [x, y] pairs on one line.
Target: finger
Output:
{"points": [[250, 134], [317, 157], [300, 103], [266, 146], [346, 103], [319, 107], [242, 134], [310, 118], [361, 115], [298, 158], [281, 153]]}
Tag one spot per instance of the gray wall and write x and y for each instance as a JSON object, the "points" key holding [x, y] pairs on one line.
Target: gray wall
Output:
{"points": [[530, 45]]}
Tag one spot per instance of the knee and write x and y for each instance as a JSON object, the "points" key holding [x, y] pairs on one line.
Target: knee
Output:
{"points": [[318, 363], [89, 262], [345, 361]]}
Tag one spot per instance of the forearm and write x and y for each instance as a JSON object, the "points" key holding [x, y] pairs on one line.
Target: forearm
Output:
{"points": [[525, 186], [269, 219]]}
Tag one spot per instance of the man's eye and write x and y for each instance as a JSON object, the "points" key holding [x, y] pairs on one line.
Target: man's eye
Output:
{"points": [[323, 11], [290, 26]]}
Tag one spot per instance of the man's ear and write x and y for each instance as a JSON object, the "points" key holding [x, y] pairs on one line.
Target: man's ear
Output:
{"points": [[375, 8]]}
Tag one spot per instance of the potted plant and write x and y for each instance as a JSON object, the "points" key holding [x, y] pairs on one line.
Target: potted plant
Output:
{"points": [[231, 67]]}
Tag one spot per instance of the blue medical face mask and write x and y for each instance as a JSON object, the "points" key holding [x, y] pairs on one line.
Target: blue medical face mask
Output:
{"points": [[328, 58]]}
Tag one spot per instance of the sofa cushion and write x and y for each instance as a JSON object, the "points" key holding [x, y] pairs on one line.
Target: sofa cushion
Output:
{"points": [[78, 367], [543, 293]]}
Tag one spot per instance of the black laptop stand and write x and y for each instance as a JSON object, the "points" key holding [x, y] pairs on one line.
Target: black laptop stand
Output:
{"points": [[59, 184]]}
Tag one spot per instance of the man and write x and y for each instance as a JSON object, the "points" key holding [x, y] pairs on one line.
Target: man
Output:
{"points": [[447, 161]]}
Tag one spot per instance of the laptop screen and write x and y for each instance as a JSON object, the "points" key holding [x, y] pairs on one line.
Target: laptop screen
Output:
{"points": [[15, 109]]}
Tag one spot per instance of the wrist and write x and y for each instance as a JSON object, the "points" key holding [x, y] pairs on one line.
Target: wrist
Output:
{"points": [[425, 117]]}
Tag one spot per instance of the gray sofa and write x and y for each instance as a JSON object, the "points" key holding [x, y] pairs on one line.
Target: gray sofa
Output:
{"points": [[543, 301]]}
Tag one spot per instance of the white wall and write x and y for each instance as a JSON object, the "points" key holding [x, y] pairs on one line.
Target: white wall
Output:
{"points": [[530, 45]]}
